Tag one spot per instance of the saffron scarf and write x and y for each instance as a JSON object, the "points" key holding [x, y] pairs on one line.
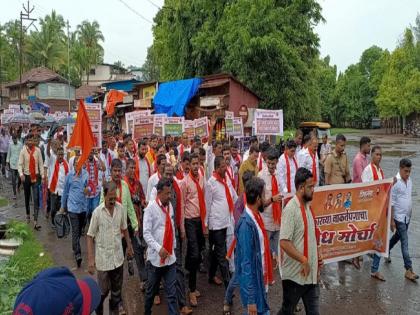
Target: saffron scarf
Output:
{"points": [[227, 191], [32, 164], [168, 236], [201, 200], [375, 172], [275, 205], [288, 172], [313, 157], [54, 179]]}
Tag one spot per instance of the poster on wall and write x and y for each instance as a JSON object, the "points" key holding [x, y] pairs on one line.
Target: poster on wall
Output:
{"points": [[201, 127], [173, 126], [268, 122]]}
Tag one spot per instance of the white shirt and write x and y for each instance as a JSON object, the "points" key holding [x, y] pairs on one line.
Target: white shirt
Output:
{"points": [[210, 162], [107, 159], [144, 173], [153, 232], [260, 236], [305, 160], [367, 174], [246, 155], [106, 230], [218, 215], [267, 215], [401, 199], [186, 149], [61, 175], [153, 180], [282, 170]]}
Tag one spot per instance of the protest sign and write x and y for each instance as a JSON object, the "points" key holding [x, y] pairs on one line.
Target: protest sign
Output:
{"points": [[352, 219], [229, 122], [201, 127], [238, 129], [97, 133], [189, 128], [143, 127], [173, 126], [268, 122], [94, 112], [15, 108], [158, 125]]}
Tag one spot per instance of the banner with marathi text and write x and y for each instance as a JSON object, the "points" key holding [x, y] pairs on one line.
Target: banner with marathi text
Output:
{"points": [[352, 219]]}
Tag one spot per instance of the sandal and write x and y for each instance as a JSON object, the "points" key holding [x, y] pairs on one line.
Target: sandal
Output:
{"points": [[37, 227], [28, 219], [378, 276], [226, 309], [355, 262], [193, 299]]}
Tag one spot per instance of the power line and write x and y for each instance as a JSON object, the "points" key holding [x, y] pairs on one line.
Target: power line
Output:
{"points": [[154, 4], [135, 12]]}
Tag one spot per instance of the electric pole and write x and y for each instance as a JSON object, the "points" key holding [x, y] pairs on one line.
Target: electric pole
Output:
{"points": [[24, 16], [68, 61]]}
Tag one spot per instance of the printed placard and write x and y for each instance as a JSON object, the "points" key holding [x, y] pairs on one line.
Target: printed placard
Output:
{"points": [[189, 128], [143, 127], [97, 133], [229, 121], [238, 128], [94, 112], [201, 127], [158, 125], [268, 122], [173, 126]]}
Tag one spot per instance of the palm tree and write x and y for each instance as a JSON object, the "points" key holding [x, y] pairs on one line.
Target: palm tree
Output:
{"points": [[46, 47], [90, 35]]}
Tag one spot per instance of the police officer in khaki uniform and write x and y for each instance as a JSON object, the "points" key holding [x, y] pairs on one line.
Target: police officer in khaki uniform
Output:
{"points": [[336, 166]]}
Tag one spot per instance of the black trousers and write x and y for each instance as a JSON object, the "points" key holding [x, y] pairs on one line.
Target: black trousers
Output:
{"points": [[217, 242], [180, 274], [77, 221], [195, 244], [55, 205], [28, 188], [293, 292], [111, 280], [155, 275], [3, 156], [15, 180]]}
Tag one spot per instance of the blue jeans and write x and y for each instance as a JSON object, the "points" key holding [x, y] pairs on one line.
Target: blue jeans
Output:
{"points": [[233, 283], [401, 235], [375, 263], [273, 237]]}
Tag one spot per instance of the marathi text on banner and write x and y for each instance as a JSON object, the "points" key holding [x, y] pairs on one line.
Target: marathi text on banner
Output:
{"points": [[143, 127], [173, 126], [268, 122], [353, 219], [229, 122], [189, 128], [238, 128]]}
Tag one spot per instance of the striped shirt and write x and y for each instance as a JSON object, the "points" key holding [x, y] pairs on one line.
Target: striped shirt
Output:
{"points": [[106, 230]]}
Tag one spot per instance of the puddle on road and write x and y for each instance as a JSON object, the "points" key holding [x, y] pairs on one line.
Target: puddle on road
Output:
{"points": [[399, 153]]}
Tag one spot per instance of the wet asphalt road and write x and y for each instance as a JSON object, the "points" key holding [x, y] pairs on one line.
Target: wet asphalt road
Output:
{"points": [[344, 289]]}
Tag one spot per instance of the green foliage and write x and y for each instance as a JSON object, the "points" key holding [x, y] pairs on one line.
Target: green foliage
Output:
{"points": [[48, 47], [270, 45], [28, 260]]}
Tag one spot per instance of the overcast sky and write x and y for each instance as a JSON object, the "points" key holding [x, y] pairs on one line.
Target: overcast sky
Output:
{"points": [[351, 25]]}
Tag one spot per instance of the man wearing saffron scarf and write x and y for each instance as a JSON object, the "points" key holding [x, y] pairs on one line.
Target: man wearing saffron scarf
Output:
{"points": [[374, 172], [194, 222], [308, 158], [30, 168], [184, 166], [154, 179], [249, 165], [298, 240], [143, 168], [272, 196], [95, 167], [151, 154], [159, 234], [184, 146], [287, 167], [220, 200], [106, 157], [253, 260], [59, 169], [74, 202]]}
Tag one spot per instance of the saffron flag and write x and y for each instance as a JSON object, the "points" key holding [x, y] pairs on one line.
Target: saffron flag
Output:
{"points": [[82, 136]]}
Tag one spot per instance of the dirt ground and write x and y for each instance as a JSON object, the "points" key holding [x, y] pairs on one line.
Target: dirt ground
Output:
{"points": [[344, 290]]}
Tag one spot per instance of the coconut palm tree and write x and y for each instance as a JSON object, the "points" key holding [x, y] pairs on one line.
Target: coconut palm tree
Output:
{"points": [[90, 35]]}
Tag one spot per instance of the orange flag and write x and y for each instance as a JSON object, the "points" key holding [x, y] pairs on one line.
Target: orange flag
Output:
{"points": [[82, 136]]}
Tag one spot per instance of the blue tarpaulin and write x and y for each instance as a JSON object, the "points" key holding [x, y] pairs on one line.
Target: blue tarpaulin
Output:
{"points": [[172, 97], [41, 106]]}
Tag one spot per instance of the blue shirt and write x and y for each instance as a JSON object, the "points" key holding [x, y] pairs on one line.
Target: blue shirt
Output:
{"points": [[248, 264], [74, 199]]}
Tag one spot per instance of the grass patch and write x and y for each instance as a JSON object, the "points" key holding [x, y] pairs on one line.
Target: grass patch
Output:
{"points": [[345, 131], [29, 259], [3, 202]]}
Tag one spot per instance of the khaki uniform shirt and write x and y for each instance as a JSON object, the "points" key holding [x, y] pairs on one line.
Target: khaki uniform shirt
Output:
{"points": [[336, 168], [292, 229], [246, 166]]}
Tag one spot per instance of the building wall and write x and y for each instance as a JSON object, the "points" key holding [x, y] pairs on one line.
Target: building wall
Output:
{"points": [[239, 96], [55, 91], [103, 74]]}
